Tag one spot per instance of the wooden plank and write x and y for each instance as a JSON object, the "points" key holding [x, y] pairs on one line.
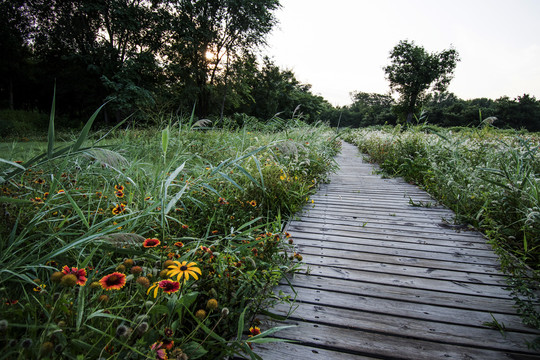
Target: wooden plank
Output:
{"points": [[411, 244], [405, 309], [351, 231], [381, 345], [405, 293], [414, 268], [335, 249], [288, 351], [408, 280], [383, 228], [428, 330], [346, 237]]}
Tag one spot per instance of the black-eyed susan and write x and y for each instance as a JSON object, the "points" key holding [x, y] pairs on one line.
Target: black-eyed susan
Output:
{"points": [[114, 281], [252, 203], [184, 270], [154, 288], [148, 243]]}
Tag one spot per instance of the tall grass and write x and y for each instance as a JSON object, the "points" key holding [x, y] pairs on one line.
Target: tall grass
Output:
{"points": [[215, 199]]}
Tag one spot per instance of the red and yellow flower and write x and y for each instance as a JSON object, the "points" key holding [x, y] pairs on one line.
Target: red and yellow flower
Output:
{"points": [[148, 243], [80, 274], [114, 281]]}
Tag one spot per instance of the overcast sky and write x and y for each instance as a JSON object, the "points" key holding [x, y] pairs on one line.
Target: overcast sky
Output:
{"points": [[339, 46]]}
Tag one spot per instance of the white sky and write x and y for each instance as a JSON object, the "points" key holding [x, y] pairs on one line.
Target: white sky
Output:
{"points": [[339, 46]]}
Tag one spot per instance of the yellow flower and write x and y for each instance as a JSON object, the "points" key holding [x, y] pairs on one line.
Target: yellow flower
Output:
{"points": [[154, 287], [184, 270]]}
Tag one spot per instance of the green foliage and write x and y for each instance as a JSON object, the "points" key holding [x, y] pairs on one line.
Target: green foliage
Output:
{"points": [[218, 199], [488, 177], [413, 71]]}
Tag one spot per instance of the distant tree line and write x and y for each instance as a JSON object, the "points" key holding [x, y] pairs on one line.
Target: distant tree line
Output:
{"points": [[444, 109], [145, 57]]}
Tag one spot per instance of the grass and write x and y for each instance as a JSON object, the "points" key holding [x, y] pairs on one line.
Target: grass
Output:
{"points": [[488, 177], [90, 236]]}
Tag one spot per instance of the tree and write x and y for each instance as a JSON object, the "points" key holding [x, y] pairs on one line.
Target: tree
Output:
{"points": [[413, 71]]}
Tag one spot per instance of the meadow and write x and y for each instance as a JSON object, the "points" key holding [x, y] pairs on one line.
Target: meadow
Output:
{"points": [[154, 243], [487, 176]]}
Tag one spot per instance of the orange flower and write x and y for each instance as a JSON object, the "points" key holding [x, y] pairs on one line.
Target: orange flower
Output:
{"points": [[114, 281], [118, 209], [148, 243], [119, 187], [179, 244]]}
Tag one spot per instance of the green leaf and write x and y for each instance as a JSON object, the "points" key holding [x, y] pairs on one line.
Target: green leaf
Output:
{"points": [[86, 129], [240, 329], [50, 136], [12, 164], [165, 140], [175, 199], [78, 210]]}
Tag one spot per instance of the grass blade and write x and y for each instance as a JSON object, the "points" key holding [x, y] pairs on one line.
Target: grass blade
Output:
{"points": [[50, 136]]}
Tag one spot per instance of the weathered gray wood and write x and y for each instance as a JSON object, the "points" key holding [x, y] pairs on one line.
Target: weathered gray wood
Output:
{"points": [[340, 242], [385, 279], [458, 334], [420, 253], [382, 345], [411, 294], [391, 239]]}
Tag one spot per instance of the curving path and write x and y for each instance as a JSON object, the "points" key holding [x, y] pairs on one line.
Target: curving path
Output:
{"points": [[388, 280]]}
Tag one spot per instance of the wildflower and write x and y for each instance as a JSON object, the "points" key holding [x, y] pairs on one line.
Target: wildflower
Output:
{"points": [[128, 263], [155, 288], [147, 198], [142, 328], [168, 344], [26, 343], [39, 181], [148, 243], [119, 187], [45, 194], [136, 270], [46, 348], [212, 304], [37, 200], [168, 332], [200, 314], [122, 331], [57, 276], [252, 203], [184, 226], [143, 281], [224, 312], [103, 299], [167, 263], [164, 274], [179, 244], [121, 268], [222, 201], [99, 194], [119, 194], [184, 270], [40, 288], [118, 209], [254, 331], [69, 280], [161, 354], [95, 285], [61, 191], [114, 281], [80, 274], [169, 286], [10, 302]]}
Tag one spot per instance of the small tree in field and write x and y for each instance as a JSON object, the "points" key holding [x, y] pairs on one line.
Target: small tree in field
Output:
{"points": [[413, 71]]}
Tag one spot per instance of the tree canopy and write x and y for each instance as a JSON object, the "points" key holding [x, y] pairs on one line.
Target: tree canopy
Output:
{"points": [[413, 71]]}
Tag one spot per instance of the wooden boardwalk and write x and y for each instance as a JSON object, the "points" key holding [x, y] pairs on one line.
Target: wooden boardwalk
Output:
{"points": [[388, 280]]}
